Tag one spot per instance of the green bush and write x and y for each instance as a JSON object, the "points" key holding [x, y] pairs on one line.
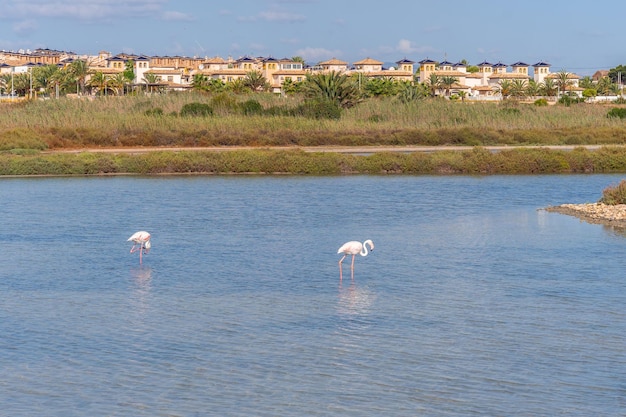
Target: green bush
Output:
{"points": [[251, 107], [196, 109], [21, 139], [154, 112], [614, 194], [617, 112], [541, 102], [318, 109]]}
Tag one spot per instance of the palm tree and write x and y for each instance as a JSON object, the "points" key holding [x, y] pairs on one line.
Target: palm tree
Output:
{"points": [[505, 88], [376, 87], [255, 81], [518, 88], [5, 81], [532, 88], [289, 86], [604, 86], [237, 86], [117, 83], [46, 78], [408, 92], [433, 84], [586, 82], [99, 81], [332, 86], [79, 70], [150, 79], [548, 88], [199, 82], [446, 82], [563, 81]]}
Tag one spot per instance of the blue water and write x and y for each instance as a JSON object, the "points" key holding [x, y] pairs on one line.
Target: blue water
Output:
{"points": [[475, 302]]}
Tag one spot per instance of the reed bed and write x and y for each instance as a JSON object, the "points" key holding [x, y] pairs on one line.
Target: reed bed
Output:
{"points": [[134, 121], [477, 161]]}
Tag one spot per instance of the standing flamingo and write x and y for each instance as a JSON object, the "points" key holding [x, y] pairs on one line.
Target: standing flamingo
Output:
{"points": [[353, 248], [141, 243]]}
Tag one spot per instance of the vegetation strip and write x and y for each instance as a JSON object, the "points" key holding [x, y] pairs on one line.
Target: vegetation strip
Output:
{"points": [[477, 161]]}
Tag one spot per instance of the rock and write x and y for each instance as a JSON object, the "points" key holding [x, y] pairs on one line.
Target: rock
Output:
{"points": [[599, 213]]}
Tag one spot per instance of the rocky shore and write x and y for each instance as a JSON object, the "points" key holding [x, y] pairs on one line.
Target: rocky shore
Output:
{"points": [[598, 213]]}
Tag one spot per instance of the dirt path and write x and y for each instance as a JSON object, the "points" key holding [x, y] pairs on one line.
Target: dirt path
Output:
{"points": [[336, 149]]}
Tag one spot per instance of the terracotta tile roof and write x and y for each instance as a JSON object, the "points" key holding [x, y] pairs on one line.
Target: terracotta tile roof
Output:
{"points": [[509, 75], [334, 61], [368, 61]]}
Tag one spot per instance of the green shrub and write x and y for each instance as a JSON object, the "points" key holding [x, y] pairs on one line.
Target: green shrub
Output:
{"points": [[541, 102], [617, 112], [251, 107], [224, 102], [614, 194], [154, 112], [21, 139], [318, 109], [196, 109]]}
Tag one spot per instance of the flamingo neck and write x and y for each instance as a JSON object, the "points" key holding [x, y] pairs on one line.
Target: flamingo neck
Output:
{"points": [[364, 250]]}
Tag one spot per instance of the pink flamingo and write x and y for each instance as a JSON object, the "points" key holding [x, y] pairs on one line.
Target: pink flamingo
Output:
{"points": [[141, 243], [353, 248]]}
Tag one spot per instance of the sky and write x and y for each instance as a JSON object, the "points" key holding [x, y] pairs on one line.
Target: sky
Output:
{"points": [[576, 36]]}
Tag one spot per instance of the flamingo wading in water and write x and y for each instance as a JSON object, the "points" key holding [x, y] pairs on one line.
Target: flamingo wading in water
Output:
{"points": [[141, 243], [353, 248]]}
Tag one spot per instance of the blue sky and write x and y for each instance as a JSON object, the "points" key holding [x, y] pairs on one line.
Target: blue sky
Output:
{"points": [[576, 36]]}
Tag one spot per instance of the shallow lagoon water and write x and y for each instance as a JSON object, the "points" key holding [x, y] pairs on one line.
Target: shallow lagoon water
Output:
{"points": [[474, 302]]}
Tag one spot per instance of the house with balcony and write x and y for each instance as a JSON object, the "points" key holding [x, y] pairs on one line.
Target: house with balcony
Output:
{"points": [[372, 68]]}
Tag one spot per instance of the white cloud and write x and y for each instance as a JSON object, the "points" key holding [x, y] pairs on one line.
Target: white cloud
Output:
{"points": [[176, 16], [84, 10], [317, 54], [285, 17], [24, 27]]}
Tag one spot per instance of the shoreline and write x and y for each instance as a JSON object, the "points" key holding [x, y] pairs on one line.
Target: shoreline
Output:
{"points": [[595, 213]]}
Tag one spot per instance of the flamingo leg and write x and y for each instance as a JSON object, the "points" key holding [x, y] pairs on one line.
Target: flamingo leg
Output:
{"points": [[340, 269], [352, 267]]}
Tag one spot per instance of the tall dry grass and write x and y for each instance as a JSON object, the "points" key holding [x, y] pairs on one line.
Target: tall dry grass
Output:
{"points": [[133, 121]]}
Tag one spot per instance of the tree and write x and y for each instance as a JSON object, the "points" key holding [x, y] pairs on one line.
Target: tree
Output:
{"points": [[333, 86], [290, 87], [586, 82], [433, 84], [99, 82], [129, 71], [548, 88], [446, 82], [618, 74], [563, 81], [376, 87], [255, 81], [505, 88], [237, 86], [117, 83], [408, 92], [532, 88], [518, 88], [151, 80], [47, 78], [603, 86], [79, 71]]}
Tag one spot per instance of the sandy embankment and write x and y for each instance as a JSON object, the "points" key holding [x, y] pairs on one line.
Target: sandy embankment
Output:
{"points": [[597, 213]]}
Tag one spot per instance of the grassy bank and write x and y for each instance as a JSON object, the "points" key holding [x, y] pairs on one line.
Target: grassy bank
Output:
{"points": [[156, 121], [477, 161]]}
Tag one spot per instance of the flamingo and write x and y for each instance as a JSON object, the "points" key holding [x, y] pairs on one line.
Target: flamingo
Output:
{"points": [[141, 243], [353, 248]]}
